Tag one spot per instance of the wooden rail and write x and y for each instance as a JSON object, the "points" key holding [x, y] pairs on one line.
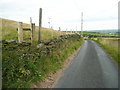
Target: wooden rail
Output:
{"points": [[21, 29]]}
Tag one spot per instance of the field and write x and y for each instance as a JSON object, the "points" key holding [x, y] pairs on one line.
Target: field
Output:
{"points": [[8, 30], [97, 34]]}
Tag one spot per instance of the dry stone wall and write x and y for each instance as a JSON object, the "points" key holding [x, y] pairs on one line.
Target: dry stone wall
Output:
{"points": [[45, 47]]}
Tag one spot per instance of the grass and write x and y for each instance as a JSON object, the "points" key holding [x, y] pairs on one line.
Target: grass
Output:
{"points": [[111, 46], [26, 65], [8, 30]]}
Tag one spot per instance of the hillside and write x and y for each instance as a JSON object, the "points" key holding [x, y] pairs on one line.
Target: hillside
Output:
{"points": [[9, 31]]}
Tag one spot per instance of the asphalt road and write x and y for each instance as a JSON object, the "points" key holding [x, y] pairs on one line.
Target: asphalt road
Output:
{"points": [[91, 68]]}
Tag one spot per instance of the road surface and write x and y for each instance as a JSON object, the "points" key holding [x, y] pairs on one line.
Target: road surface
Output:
{"points": [[91, 68]]}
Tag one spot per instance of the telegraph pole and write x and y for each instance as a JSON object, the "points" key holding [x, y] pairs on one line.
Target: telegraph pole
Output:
{"points": [[49, 21], [76, 29], [60, 30], [82, 24], [40, 25]]}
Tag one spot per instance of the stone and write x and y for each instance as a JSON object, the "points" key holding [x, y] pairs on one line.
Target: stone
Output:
{"points": [[45, 42], [40, 45], [24, 44], [51, 43], [2, 40], [11, 41]]}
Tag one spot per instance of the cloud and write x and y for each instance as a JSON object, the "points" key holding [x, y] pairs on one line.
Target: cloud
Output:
{"points": [[64, 13]]}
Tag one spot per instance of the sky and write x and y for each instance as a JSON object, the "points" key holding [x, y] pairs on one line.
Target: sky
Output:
{"points": [[97, 14]]}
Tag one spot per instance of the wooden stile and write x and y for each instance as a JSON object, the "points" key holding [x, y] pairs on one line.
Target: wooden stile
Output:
{"points": [[20, 32]]}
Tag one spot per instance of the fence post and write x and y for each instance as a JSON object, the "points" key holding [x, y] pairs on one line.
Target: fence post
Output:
{"points": [[40, 25], [30, 23], [32, 32], [20, 32]]}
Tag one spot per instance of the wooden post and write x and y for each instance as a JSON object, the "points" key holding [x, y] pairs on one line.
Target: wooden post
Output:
{"points": [[59, 28], [33, 33], [40, 25], [30, 23], [20, 32], [31, 29]]}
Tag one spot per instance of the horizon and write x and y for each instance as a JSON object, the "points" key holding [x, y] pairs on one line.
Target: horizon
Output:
{"points": [[98, 30]]}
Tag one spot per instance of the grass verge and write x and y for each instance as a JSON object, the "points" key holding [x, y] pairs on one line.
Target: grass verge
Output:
{"points": [[111, 48], [22, 66]]}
